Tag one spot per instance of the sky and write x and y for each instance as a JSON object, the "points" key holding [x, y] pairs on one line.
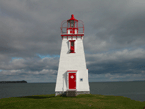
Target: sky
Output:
{"points": [[30, 41]]}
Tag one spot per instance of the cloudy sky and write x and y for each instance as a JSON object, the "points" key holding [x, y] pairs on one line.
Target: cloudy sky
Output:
{"points": [[30, 41]]}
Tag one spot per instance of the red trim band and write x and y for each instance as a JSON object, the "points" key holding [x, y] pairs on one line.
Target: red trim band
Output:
{"points": [[72, 35], [71, 70]]}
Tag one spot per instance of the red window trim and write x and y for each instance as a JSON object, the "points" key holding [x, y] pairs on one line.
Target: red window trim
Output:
{"points": [[70, 46]]}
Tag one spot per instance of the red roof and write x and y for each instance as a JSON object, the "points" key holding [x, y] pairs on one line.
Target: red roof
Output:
{"points": [[72, 18]]}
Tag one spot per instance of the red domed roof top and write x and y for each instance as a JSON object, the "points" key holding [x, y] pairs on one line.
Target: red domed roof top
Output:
{"points": [[72, 18]]}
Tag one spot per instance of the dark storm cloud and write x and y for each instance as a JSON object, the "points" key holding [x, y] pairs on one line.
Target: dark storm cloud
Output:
{"points": [[116, 25], [114, 35], [26, 31]]}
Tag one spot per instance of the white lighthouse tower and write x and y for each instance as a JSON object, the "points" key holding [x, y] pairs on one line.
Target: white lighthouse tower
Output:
{"points": [[72, 71]]}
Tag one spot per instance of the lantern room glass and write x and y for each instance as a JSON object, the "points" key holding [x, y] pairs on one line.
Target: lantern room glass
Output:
{"points": [[71, 23]]}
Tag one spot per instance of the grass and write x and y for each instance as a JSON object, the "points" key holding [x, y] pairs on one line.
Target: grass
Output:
{"points": [[82, 101]]}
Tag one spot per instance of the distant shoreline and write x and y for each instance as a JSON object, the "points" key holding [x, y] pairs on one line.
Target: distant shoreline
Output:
{"points": [[23, 81], [96, 82]]}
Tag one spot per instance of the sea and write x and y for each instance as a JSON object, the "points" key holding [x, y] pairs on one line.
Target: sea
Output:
{"points": [[134, 90]]}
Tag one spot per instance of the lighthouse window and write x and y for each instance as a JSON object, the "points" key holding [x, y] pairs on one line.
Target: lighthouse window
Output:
{"points": [[72, 46], [81, 79], [72, 43]]}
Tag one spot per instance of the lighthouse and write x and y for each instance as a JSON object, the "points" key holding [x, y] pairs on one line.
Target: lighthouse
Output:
{"points": [[72, 73]]}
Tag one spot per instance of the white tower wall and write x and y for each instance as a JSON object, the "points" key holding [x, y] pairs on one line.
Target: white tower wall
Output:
{"points": [[72, 61]]}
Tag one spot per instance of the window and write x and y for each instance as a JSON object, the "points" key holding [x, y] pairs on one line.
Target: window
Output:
{"points": [[72, 43], [72, 48]]}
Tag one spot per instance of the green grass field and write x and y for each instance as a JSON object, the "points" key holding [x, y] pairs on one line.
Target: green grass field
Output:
{"points": [[82, 101]]}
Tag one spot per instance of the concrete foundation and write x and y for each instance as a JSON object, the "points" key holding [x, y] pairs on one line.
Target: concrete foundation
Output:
{"points": [[77, 93]]}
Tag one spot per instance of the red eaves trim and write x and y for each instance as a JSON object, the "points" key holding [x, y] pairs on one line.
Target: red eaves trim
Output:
{"points": [[72, 35], [71, 70]]}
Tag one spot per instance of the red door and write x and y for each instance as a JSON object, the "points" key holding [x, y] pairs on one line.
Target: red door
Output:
{"points": [[72, 80]]}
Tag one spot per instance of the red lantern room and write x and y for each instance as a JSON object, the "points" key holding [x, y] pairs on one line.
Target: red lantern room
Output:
{"points": [[72, 27]]}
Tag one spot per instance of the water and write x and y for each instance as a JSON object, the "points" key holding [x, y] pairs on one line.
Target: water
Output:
{"points": [[133, 90]]}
